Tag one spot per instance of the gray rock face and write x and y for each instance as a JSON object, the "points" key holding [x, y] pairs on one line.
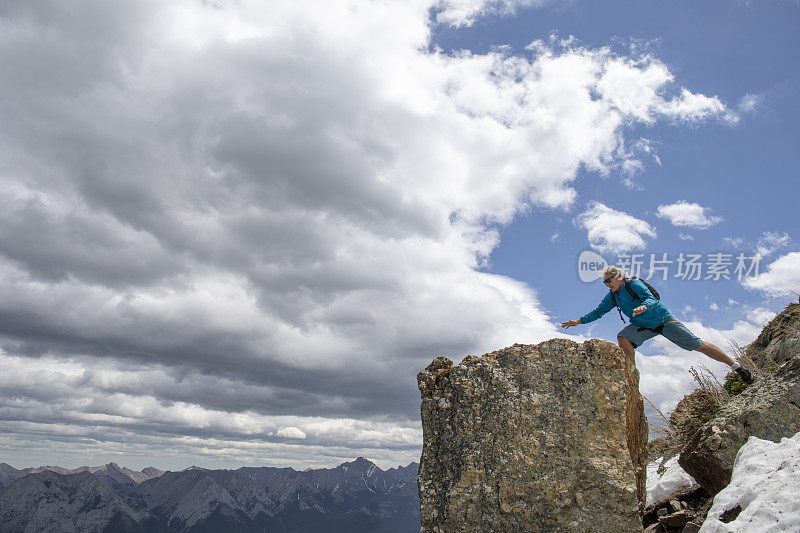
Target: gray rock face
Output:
{"points": [[768, 409], [779, 341], [52, 502], [532, 438], [8, 474]]}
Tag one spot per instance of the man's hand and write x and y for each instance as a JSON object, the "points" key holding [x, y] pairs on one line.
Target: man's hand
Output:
{"points": [[639, 310], [570, 323]]}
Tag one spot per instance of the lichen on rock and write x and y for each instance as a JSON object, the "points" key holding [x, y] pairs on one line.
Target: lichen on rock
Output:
{"points": [[533, 438]]}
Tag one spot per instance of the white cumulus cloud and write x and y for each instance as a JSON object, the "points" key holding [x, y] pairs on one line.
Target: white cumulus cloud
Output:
{"points": [[688, 214], [782, 277], [279, 211], [291, 432], [609, 230], [466, 12]]}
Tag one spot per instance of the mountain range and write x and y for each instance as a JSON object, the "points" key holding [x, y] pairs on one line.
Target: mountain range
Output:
{"points": [[113, 474], [356, 496]]}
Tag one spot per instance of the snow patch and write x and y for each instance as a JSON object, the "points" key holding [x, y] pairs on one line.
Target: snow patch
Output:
{"points": [[766, 486], [659, 486]]}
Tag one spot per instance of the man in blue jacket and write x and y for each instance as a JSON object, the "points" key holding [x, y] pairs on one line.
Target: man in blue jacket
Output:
{"points": [[648, 318]]}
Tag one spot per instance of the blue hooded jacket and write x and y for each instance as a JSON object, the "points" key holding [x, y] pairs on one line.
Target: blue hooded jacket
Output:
{"points": [[656, 314]]}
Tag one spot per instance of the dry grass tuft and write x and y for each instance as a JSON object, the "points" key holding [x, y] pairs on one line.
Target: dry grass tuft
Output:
{"points": [[741, 356], [660, 426], [709, 383]]}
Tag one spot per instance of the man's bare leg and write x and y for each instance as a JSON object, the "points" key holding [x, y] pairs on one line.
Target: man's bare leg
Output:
{"points": [[627, 347], [714, 353]]}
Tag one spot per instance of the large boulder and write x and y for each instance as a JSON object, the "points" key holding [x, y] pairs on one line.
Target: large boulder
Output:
{"points": [[533, 438], [769, 409]]}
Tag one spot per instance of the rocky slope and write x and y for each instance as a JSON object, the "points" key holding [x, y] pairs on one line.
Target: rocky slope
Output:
{"points": [[769, 409], [533, 438], [48, 501], [711, 440]]}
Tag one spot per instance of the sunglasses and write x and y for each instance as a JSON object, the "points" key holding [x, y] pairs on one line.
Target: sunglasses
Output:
{"points": [[607, 280]]}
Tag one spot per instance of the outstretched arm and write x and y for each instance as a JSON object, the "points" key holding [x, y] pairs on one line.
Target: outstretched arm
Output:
{"points": [[606, 304]]}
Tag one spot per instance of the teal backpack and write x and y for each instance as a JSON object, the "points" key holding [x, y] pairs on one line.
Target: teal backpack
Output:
{"points": [[652, 290]]}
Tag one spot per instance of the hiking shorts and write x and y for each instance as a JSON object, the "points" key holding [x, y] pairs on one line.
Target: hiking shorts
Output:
{"points": [[674, 330]]}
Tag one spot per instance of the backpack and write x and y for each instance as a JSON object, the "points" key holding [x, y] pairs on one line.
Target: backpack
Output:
{"points": [[652, 290]]}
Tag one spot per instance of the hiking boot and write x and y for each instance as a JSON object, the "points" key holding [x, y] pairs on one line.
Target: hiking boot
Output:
{"points": [[744, 374]]}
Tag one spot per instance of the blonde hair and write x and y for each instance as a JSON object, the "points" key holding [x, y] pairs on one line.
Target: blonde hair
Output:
{"points": [[612, 271]]}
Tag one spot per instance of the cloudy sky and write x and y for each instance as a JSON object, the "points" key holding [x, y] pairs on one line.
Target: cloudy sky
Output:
{"points": [[232, 232]]}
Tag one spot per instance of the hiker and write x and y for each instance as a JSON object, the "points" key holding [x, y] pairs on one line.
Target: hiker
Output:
{"points": [[649, 317]]}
